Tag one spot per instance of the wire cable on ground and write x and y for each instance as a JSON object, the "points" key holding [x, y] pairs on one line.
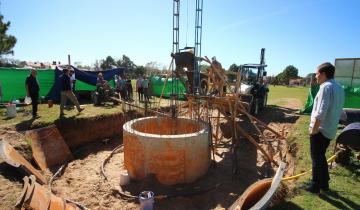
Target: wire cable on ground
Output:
{"points": [[107, 160], [55, 176], [128, 196]]}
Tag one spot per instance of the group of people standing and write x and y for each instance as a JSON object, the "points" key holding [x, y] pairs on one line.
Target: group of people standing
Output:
{"points": [[124, 88], [142, 88]]}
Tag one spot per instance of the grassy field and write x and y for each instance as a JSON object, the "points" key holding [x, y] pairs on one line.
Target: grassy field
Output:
{"points": [[345, 181], [276, 92], [50, 115]]}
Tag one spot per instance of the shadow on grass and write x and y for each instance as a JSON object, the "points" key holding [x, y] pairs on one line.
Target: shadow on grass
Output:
{"points": [[354, 167], [24, 125], [335, 199], [286, 205]]}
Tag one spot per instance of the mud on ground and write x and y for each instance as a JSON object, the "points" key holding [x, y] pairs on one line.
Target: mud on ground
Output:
{"points": [[81, 180]]}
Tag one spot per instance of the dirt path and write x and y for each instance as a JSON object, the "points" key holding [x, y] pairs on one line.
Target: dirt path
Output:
{"points": [[291, 103]]}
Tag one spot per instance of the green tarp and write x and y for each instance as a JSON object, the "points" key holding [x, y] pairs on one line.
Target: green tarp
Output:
{"points": [[12, 81], [84, 86], [352, 98], [157, 84], [310, 99]]}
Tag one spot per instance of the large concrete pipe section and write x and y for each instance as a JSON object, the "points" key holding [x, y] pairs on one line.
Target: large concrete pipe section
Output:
{"points": [[174, 150]]}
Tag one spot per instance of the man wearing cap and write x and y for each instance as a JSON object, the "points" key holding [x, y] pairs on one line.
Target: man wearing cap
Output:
{"points": [[32, 91], [66, 92]]}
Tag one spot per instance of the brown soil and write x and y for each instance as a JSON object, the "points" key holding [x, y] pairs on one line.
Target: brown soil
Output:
{"points": [[82, 181], [11, 179], [291, 103]]}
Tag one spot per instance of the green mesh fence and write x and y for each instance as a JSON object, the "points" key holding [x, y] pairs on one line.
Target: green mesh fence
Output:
{"points": [[157, 84], [84, 86], [352, 98], [12, 82], [310, 99]]}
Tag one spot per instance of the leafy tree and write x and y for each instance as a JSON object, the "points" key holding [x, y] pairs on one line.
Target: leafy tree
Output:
{"points": [[22, 64], [203, 67], [7, 42], [9, 62], [139, 70], [96, 65], [79, 65], [290, 72], [125, 62], [108, 63], [152, 68], [233, 67]]}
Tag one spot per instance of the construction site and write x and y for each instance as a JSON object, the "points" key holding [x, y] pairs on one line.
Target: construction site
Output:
{"points": [[207, 140]]}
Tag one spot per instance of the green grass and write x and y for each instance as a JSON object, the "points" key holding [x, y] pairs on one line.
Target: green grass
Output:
{"points": [[278, 92], [345, 181], [48, 116]]}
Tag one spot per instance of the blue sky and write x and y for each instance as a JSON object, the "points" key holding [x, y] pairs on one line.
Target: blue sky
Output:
{"points": [[300, 33]]}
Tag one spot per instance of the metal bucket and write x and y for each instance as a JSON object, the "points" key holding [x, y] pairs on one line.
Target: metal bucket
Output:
{"points": [[146, 199], [11, 110]]}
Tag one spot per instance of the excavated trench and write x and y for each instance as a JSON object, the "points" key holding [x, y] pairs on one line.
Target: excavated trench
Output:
{"points": [[92, 139]]}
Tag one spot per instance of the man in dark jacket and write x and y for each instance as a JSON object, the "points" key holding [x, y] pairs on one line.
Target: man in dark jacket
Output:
{"points": [[66, 92], [32, 91]]}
